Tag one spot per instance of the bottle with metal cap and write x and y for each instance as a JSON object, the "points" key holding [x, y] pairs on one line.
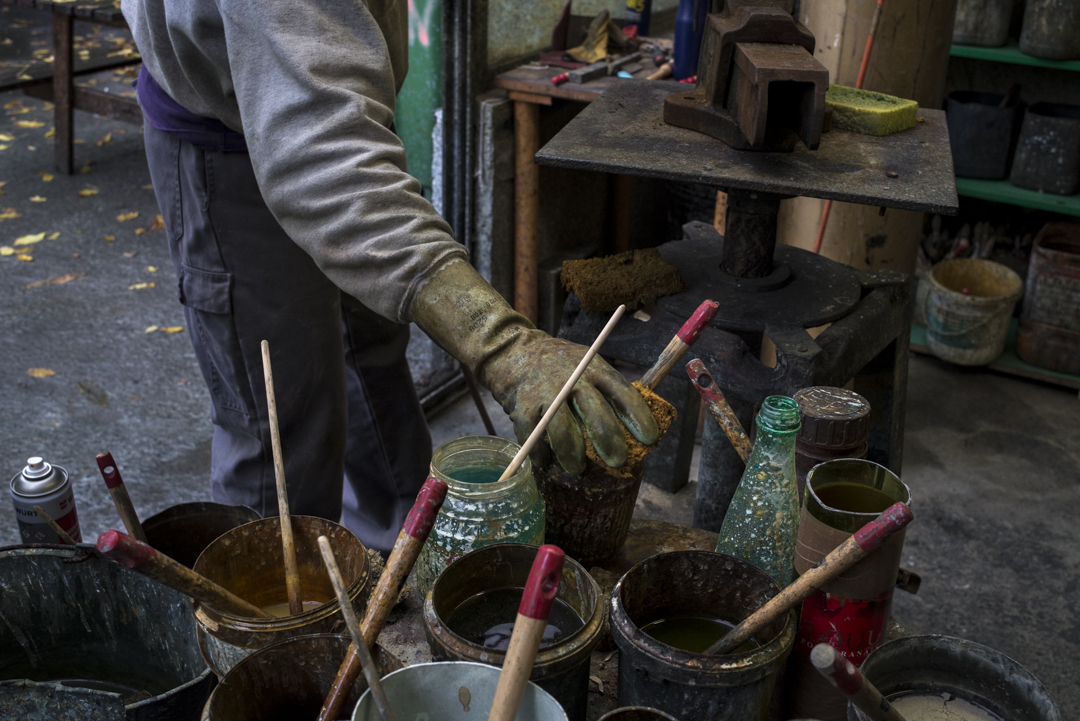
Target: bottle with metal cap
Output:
{"points": [[42, 484], [835, 423]]}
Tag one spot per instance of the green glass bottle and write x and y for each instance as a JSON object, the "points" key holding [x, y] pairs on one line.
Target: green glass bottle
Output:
{"points": [[762, 522]]}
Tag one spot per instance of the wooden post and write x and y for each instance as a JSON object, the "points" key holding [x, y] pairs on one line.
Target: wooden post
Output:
{"points": [[526, 208], [63, 92]]}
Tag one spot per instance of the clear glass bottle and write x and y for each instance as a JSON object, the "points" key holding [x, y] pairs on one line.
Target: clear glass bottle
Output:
{"points": [[479, 514], [762, 522]]}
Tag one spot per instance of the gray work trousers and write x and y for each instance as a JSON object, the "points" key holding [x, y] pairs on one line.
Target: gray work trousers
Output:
{"points": [[354, 439]]}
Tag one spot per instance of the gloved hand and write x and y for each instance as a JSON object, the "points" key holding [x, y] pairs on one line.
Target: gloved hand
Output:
{"points": [[525, 368]]}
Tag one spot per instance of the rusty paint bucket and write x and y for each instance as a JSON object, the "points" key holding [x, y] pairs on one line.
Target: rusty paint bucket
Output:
{"points": [[968, 310], [692, 686], [183, 532], [636, 713], [85, 638], [943, 666], [588, 516], [561, 669], [288, 680], [453, 691], [248, 561], [1049, 332]]}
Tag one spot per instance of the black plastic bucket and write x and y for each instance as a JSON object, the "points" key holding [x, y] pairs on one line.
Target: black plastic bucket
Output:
{"points": [[184, 531], [982, 134], [1048, 152]]}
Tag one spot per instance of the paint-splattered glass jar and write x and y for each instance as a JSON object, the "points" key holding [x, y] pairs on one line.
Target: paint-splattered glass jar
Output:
{"points": [[479, 509]]}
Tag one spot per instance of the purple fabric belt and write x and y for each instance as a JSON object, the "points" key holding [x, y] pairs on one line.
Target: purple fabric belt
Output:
{"points": [[169, 116]]}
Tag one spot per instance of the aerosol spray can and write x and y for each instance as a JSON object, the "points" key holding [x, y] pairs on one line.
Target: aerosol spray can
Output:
{"points": [[43, 484]]}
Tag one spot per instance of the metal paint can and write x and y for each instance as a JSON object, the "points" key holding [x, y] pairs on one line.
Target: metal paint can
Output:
{"points": [[42, 484]]}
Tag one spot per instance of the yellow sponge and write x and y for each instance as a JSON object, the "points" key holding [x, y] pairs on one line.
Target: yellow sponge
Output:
{"points": [[869, 113]]}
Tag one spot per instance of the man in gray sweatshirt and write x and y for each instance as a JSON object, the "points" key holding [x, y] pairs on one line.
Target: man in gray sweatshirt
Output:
{"points": [[290, 218]]}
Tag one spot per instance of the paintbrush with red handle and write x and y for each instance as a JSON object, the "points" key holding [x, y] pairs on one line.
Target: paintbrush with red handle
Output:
{"points": [[402, 557], [718, 406], [532, 615], [842, 674], [865, 541], [681, 343], [140, 557], [120, 496]]}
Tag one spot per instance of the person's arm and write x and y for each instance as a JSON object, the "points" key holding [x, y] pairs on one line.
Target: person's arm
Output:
{"points": [[316, 91]]}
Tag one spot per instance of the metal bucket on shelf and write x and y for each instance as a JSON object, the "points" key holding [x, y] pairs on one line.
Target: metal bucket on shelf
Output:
{"points": [[453, 691], [561, 669], [184, 531], [288, 680], [84, 638], [248, 561]]}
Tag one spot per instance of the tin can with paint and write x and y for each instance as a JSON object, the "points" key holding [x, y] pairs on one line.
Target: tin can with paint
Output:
{"points": [[850, 612], [42, 484]]}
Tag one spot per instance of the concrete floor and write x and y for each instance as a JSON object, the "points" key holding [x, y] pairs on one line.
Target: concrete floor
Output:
{"points": [[993, 462]]}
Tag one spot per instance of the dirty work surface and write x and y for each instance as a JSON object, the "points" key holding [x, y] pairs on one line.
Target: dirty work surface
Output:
{"points": [[623, 132]]}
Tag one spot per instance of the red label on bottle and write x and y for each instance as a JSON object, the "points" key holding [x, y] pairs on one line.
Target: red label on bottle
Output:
{"points": [[853, 627]]}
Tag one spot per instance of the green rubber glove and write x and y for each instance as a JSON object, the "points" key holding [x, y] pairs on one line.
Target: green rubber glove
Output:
{"points": [[525, 368]]}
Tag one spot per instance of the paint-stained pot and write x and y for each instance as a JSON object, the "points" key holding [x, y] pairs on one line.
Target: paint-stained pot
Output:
{"points": [[561, 669], [124, 644], [184, 531], [248, 561]]}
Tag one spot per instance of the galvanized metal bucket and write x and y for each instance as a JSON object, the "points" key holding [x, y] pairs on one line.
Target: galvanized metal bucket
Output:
{"points": [[184, 531], [636, 713], [288, 680], [692, 686], [453, 691], [561, 669], [964, 669], [248, 561], [84, 638]]}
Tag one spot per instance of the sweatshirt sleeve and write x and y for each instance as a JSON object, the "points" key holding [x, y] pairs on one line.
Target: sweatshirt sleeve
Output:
{"points": [[316, 89]]}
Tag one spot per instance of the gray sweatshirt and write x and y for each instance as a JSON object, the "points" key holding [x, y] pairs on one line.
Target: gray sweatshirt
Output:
{"points": [[311, 84]]}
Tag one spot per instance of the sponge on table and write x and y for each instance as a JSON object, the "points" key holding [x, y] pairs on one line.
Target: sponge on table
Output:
{"points": [[869, 113], [635, 277]]}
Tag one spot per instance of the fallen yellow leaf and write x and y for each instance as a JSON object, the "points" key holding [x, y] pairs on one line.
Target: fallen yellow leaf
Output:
{"points": [[151, 268], [103, 141], [54, 236], [37, 199], [9, 214], [128, 216], [54, 281], [30, 239], [4, 147], [140, 286], [24, 257], [140, 231], [173, 329], [21, 111], [2, 184], [110, 238], [51, 133], [158, 224], [151, 328], [131, 254], [87, 192], [148, 186], [47, 177], [40, 372], [30, 123], [4, 137], [6, 250]]}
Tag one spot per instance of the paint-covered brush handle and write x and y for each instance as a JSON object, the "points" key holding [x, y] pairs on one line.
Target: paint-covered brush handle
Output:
{"points": [[842, 674], [536, 602], [139, 557], [719, 407], [865, 541], [403, 556], [120, 496], [677, 346]]}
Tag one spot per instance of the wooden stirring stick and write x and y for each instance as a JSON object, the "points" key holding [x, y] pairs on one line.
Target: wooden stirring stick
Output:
{"points": [[140, 557], [681, 343], [371, 671], [538, 432], [64, 536], [532, 615], [842, 674], [398, 566], [718, 405], [865, 541], [120, 496], [288, 545]]}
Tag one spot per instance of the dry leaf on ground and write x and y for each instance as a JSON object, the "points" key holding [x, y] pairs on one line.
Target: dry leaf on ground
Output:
{"points": [[47, 177], [6, 250], [37, 199], [54, 236], [87, 192], [110, 238], [30, 239], [151, 268], [6, 138], [40, 372], [24, 257], [140, 286], [30, 123], [54, 281], [9, 214], [106, 139], [128, 216], [152, 328], [158, 224], [173, 328], [131, 254]]}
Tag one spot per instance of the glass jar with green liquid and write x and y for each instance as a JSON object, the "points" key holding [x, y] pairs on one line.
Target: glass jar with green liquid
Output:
{"points": [[762, 522], [479, 509]]}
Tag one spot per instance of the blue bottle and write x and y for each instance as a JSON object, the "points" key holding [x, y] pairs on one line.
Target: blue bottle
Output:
{"points": [[688, 33], [638, 12]]}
